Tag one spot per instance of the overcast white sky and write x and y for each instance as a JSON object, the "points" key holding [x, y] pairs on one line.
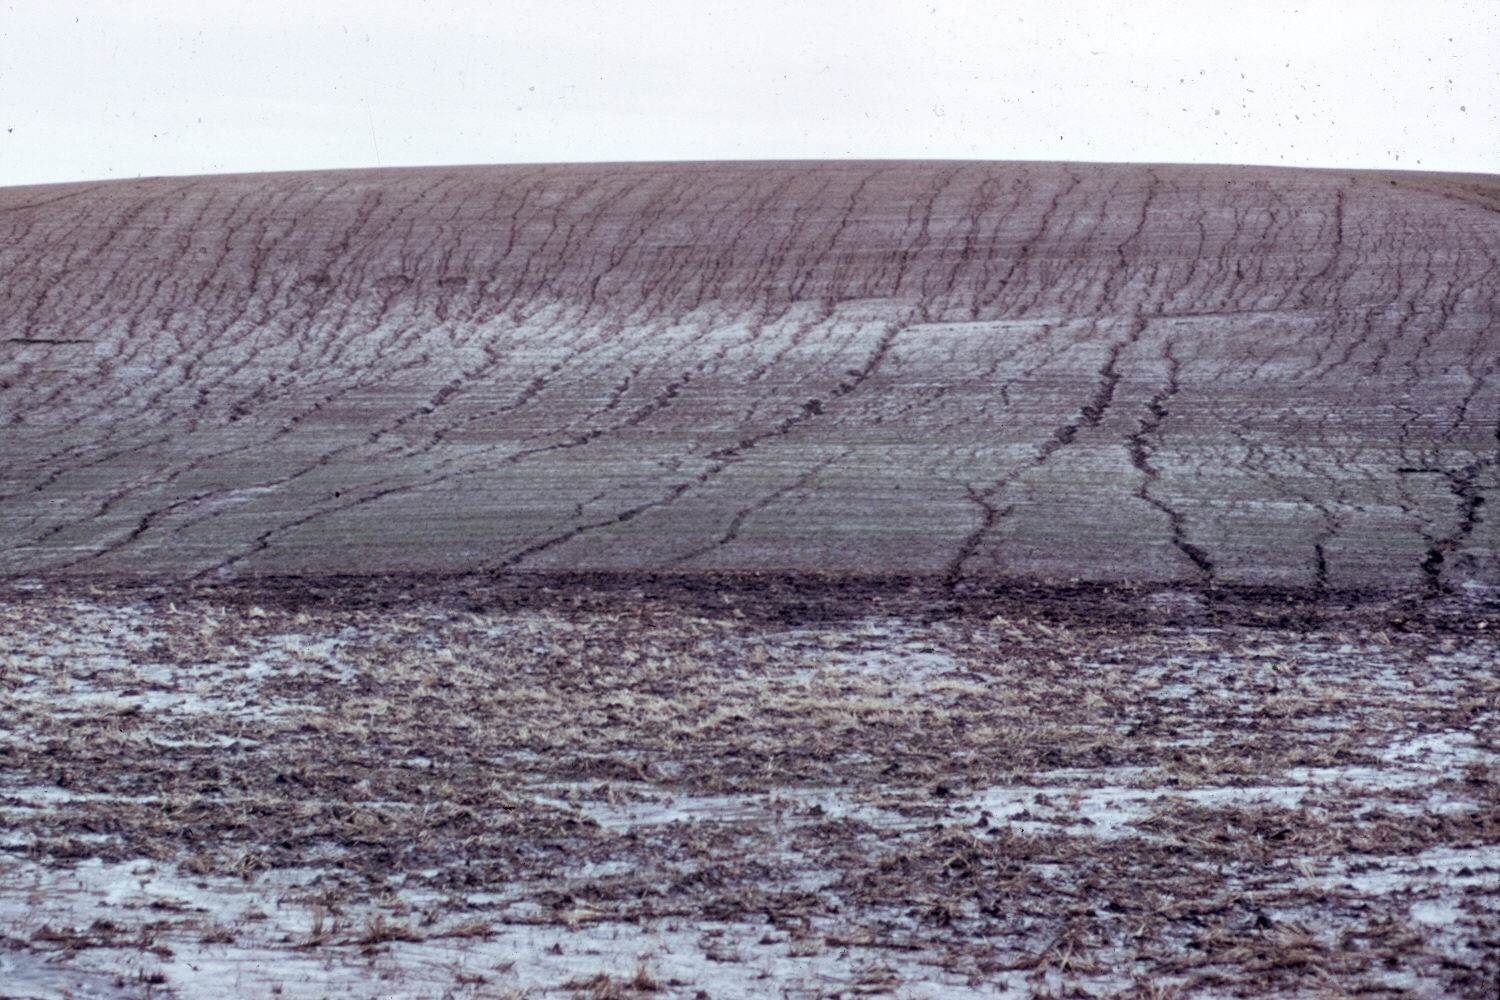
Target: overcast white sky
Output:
{"points": [[140, 87]]}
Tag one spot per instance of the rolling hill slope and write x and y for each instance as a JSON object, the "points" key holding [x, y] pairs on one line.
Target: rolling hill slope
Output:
{"points": [[968, 371]]}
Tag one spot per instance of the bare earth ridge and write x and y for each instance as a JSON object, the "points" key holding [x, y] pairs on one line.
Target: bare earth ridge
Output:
{"points": [[1203, 375]]}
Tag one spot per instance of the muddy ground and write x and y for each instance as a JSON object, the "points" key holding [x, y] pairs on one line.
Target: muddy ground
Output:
{"points": [[742, 788]]}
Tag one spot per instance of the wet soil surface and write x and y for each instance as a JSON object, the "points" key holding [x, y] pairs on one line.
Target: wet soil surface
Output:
{"points": [[612, 787]]}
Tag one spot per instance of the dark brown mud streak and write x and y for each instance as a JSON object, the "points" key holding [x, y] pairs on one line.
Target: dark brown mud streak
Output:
{"points": [[968, 371]]}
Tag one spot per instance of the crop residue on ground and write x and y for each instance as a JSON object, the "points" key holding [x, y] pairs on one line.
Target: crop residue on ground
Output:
{"points": [[585, 792]]}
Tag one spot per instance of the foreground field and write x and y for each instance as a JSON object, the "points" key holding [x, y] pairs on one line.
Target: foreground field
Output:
{"points": [[617, 788]]}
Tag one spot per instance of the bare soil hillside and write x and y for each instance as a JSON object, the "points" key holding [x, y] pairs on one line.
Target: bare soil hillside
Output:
{"points": [[966, 370]]}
